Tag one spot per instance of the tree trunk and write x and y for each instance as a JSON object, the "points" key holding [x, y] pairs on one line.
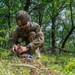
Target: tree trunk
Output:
{"points": [[53, 36], [40, 18], [27, 5], [53, 30], [66, 38], [9, 13]]}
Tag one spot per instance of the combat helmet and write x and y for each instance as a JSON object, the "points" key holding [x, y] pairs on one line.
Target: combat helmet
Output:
{"points": [[22, 17]]}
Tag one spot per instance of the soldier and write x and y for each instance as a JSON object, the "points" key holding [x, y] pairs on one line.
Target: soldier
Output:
{"points": [[29, 32]]}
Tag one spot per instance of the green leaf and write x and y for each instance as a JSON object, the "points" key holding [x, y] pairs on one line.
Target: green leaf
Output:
{"points": [[1, 39]]}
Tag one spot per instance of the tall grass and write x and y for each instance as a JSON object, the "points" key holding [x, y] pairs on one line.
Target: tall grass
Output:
{"points": [[63, 63]]}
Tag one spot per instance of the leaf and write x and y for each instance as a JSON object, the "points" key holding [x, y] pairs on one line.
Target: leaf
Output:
{"points": [[2, 31], [1, 39]]}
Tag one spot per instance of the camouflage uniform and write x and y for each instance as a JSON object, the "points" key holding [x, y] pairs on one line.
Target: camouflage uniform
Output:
{"points": [[33, 36]]}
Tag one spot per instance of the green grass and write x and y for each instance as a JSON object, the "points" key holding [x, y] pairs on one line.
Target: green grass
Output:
{"points": [[62, 63], [7, 62]]}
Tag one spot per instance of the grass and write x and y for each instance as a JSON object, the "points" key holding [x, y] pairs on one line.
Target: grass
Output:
{"points": [[7, 62], [62, 63]]}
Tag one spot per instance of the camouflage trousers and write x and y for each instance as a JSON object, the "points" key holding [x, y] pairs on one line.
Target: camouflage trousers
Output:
{"points": [[32, 36]]}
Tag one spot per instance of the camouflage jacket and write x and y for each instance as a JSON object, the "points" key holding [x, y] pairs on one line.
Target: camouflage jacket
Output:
{"points": [[20, 34]]}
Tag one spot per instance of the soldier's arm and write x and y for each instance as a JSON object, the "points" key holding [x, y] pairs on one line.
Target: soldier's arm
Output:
{"points": [[15, 36], [14, 41], [39, 38]]}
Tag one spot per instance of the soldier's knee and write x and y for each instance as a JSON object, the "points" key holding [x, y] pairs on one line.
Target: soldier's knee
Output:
{"points": [[32, 34], [37, 53]]}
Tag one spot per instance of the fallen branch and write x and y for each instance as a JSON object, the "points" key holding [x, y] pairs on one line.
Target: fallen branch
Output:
{"points": [[64, 50]]}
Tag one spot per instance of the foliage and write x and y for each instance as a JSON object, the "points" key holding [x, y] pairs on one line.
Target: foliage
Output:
{"points": [[43, 12], [61, 63]]}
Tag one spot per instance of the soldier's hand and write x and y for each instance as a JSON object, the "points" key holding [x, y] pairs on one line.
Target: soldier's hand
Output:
{"points": [[14, 48], [22, 49]]}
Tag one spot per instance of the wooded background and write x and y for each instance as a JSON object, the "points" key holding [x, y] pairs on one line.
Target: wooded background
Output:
{"points": [[56, 18]]}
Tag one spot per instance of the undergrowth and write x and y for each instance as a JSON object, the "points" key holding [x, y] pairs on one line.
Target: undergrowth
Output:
{"points": [[63, 63]]}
